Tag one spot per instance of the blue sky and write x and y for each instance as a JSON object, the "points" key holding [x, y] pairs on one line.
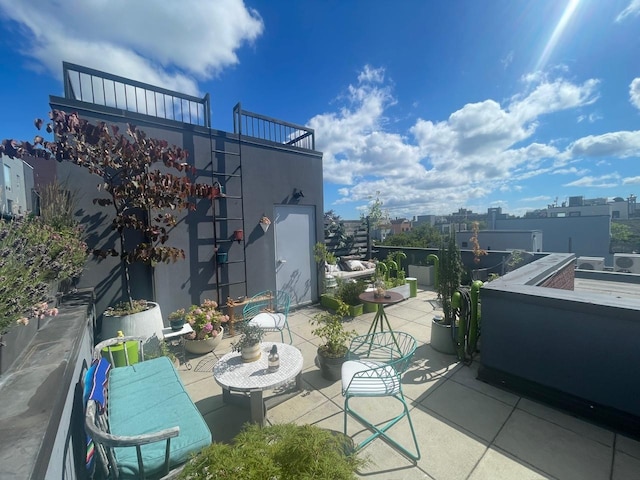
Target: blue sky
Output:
{"points": [[430, 105]]}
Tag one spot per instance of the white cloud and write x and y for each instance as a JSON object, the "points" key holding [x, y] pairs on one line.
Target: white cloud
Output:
{"points": [[603, 181], [481, 145], [631, 181], [634, 92], [615, 144], [539, 198], [570, 170], [591, 118], [632, 10], [171, 44]]}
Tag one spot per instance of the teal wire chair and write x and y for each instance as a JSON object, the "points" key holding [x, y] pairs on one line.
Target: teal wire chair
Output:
{"points": [[374, 369], [269, 310]]}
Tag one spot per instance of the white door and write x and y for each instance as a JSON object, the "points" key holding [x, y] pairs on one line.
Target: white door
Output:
{"points": [[294, 240]]}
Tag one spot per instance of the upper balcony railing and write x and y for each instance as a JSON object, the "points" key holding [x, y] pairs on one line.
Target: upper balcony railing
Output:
{"points": [[267, 128], [100, 88]]}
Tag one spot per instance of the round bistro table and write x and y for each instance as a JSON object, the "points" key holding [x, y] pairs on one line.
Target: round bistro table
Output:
{"points": [[380, 318], [253, 378]]}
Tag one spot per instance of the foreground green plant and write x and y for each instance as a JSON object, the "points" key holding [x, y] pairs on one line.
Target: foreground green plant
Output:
{"points": [[330, 328], [283, 452]]}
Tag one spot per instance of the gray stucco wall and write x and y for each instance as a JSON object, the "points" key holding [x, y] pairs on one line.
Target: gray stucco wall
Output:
{"points": [[584, 236], [268, 174]]}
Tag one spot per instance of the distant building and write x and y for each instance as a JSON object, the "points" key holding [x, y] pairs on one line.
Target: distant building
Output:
{"points": [[16, 186], [527, 240], [400, 225], [579, 206], [586, 235]]}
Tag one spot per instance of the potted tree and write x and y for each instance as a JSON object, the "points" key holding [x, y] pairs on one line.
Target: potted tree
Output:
{"points": [[137, 185], [450, 268], [333, 351], [249, 343]]}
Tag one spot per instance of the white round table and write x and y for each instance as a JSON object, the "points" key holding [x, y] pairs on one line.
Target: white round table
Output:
{"points": [[233, 375]]}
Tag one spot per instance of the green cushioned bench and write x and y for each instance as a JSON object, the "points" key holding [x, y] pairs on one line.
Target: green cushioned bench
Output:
{"points": [[150, 426]]}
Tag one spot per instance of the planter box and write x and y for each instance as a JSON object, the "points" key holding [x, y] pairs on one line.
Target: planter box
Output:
{"points": [[327, 301], [424, 274], [404, 290], [356, 310], [369, 307]]}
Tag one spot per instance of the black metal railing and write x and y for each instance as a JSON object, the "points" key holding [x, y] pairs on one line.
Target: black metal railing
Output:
{"points": [[101, 88], [267, 128]]}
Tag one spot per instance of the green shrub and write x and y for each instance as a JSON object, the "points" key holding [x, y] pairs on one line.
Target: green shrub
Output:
{"points": [[349, 291], [285, 452]]}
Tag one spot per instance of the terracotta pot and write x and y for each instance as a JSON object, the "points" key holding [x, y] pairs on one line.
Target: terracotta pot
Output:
{"points": [[251, 354], [200, 347]]}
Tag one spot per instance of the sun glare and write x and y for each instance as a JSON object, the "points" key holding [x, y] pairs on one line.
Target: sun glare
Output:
{"points": [[557, 34]]}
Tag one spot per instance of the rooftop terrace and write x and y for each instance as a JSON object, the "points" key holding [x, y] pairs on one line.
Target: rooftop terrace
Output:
{"points": [[466, 429]]}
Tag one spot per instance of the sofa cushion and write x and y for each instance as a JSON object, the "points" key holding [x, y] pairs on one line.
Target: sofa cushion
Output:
{"points": [[353, 265], [148, 397]]}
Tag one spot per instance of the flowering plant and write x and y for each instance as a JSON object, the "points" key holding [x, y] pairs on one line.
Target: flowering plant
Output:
{"points": [[205, 320], [31, 255]]}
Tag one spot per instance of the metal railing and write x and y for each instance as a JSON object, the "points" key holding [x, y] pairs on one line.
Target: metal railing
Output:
{"points": [[267, 128], [101, 88]]}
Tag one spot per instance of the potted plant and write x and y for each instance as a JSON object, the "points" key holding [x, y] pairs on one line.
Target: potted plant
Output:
{"points": [[278, 451], [206, 321], [249, 343], [325, 260], [332, 353], [449, 274], [349, 293], [143, 198], [177, 319]]}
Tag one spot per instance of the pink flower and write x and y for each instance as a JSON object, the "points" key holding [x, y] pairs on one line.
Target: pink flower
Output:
{"points": [[207, 327], [22, 321]]}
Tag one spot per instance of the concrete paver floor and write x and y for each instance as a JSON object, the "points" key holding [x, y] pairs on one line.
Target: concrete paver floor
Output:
{"points": [[466, 429]]}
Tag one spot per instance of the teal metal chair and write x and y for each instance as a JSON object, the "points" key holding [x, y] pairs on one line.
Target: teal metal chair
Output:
{"points": [[269, 310], [374, 369]]}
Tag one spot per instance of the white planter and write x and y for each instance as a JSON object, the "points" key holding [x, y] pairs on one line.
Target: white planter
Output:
{"points": [[441, 337], [424, 274], [200, 347], [147, 324], [251, 354], [404, 290]]}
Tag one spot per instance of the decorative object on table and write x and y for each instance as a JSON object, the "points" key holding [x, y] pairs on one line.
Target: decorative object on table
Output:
{"points": [[375, 367], [273, 361], [176, 319], [269, 310], [379, 288], [265, 223], [206, 321], [249, 343], [333, 352]]}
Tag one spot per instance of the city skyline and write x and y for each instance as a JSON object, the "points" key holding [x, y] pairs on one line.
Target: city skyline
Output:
{"points": [[432, 107]]}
